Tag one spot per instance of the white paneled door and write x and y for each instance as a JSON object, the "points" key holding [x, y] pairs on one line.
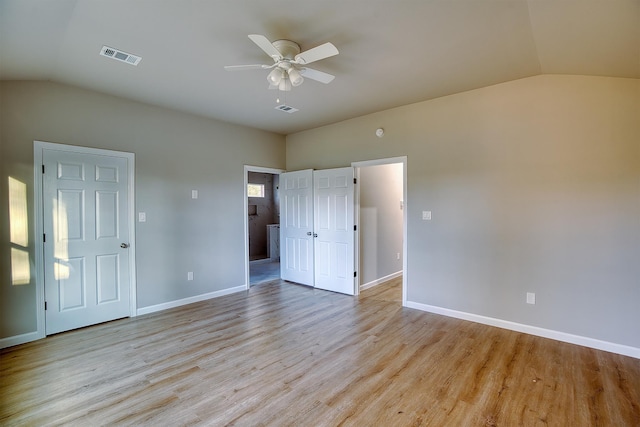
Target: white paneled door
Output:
{"points": [[86, 225], [296, 226], [334, 223]]}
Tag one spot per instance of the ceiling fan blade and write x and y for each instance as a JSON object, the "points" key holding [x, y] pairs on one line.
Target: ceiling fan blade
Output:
{"points": [[315, 54], [247, 67], [316, 75], [264, 44]]}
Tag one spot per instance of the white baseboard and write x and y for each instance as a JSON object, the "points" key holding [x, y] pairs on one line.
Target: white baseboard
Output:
{"points": [[20, 339], [624, 350], [380, 280], [190, 300]]}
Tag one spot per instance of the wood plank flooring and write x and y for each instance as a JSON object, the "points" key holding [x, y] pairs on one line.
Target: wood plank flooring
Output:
{"points": [[287, 355]]}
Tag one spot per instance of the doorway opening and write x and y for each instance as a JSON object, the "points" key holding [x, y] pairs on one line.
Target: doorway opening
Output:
{"points": [[381, 244], [262, 224]]}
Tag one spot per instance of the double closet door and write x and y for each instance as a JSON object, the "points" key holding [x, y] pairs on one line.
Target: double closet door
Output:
{"points": [[317, 226]]}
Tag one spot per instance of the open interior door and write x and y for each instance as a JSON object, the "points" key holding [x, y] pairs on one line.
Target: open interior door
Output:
{"points": [[296, 227], [334, 223]]}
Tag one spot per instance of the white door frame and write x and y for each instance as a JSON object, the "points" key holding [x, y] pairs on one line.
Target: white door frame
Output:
{"points": [[247, 169], [387, 161], [38, 147]]}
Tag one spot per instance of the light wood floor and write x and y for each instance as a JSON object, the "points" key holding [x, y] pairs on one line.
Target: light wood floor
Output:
{"points": [[282, 354]]}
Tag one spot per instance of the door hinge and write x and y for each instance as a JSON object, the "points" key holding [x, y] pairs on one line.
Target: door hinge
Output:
{"points": [[45, 306], [44, 238], [355, 228], [42, 168], [355, 180], [355, 274]]}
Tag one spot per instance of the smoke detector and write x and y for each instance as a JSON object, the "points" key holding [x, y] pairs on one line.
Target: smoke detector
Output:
{"points": [[119, 55]]}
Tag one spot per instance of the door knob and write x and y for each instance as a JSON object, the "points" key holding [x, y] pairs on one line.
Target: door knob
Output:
{"points": [[309, 233], [124, 245]]}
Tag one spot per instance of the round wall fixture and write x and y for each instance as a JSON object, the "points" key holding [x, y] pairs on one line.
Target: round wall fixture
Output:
{"points": [[379, 132]]}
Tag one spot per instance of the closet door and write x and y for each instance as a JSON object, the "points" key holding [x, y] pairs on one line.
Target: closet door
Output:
{"points": [[296, 227], [334, 224]]}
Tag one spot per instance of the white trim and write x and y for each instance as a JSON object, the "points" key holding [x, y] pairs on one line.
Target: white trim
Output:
{"points": [[20, 339], [391, 160], [624, 350], [376, 282], [247, 169], [38, 147], [190, 300]]}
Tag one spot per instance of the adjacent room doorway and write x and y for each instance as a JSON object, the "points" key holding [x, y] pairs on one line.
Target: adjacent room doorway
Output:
{"points": [[381, 209], [262, 224]]}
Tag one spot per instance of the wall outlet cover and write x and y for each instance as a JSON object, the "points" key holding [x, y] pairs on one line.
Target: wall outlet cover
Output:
{"points": [[531, 298]]}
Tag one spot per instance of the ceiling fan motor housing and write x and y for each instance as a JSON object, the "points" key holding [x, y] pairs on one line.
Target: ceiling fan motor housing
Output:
{"points": [[287, 48]]}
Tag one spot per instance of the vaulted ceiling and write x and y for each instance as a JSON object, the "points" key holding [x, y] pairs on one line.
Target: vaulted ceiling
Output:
{"points": [[392, 52]]}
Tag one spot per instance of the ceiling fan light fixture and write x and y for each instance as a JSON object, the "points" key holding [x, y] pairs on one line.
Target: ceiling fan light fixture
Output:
{"points": [[285, 85], [295, 77], [275, 77]]}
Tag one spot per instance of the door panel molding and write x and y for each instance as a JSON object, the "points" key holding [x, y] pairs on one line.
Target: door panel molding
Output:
{"points": [[334, 232], [297, 226]]}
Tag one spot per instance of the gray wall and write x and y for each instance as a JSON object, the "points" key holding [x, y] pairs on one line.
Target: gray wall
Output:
{"points": [[534, 186], [175, 153], [380, 221]]}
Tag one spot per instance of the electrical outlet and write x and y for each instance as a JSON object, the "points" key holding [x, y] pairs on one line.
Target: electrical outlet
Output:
{"points": [[194, 194], [531, 298], [190, 275], [398, 255], [142, 217]]}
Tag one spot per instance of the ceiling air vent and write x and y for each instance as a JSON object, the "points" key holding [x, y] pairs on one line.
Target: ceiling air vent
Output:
{"points": [[286, 108], [119, 55]]}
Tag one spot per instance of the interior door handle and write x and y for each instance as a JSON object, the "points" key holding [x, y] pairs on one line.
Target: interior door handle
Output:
{"points": [[309, 233], [124, 245]]}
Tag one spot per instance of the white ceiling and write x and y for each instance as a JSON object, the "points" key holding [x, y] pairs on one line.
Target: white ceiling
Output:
{"points": [[392, 52]]}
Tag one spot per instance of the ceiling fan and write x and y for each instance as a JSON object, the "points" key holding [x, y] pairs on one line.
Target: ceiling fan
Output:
{"points": [[289, 64]]}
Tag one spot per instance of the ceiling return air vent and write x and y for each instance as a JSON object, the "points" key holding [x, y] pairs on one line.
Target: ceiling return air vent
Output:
{"points": [[286, 108], [119, 55]]}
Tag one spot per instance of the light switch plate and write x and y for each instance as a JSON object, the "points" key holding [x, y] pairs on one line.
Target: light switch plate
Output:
{"points": [[194, 194], [142, 217], [426, 215]]}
